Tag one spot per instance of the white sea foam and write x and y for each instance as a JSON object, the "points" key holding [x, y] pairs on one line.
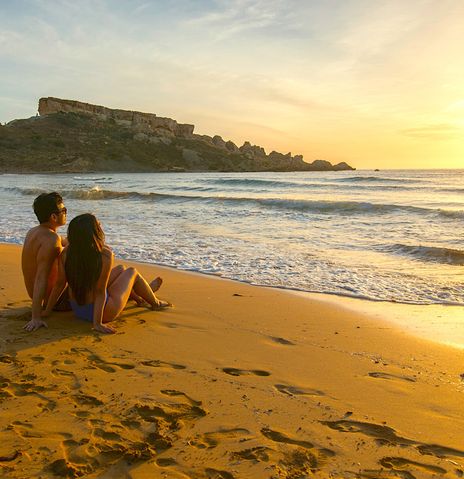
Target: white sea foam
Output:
{"points": [[393, 235]]}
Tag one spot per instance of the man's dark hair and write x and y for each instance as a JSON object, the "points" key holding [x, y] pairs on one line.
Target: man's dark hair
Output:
{"points": [[45, 205]]}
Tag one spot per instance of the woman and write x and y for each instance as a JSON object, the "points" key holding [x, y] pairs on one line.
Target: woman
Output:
{"points": [[98, 292]]}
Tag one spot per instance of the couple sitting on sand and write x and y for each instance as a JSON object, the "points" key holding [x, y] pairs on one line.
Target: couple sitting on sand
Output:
{"points": [[97, 292]]}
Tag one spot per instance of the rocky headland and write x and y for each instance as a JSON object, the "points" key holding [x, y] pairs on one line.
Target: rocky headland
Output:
{"points": [[72, 136]]}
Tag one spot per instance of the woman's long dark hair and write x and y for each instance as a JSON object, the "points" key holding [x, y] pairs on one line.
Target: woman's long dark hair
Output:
{"points": [[84, 255]]}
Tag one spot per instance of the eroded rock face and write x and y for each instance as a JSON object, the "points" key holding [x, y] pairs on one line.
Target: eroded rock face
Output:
{"points": [[231, 146], [142, 122], [342, 166], [218, 141], [253, 151], [322, 165]]}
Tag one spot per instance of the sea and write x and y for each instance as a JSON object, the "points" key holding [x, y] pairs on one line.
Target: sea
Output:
{"points": [[389, 235]]}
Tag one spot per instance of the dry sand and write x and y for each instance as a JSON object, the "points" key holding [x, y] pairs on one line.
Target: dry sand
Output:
{"points": [[235, 381]]}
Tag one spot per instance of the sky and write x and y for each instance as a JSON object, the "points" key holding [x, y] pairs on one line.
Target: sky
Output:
{"points": [[378, 84]]}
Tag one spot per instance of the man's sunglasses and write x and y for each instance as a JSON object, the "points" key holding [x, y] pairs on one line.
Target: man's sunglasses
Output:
{"points": [[63, 210]]}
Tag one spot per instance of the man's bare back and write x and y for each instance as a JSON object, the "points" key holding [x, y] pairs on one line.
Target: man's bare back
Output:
{"points": [[41, 250], [42, 247]]}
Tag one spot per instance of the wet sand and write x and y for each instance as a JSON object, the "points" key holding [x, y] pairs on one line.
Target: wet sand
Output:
{"points": [[235, 381]]}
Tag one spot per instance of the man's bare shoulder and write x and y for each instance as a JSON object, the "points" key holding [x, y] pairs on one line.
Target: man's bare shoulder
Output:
{"points": [[43, 236], [41, 240]]}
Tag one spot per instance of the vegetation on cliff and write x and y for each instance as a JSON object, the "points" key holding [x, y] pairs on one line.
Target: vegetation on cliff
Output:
{"points": [[80, 142]]}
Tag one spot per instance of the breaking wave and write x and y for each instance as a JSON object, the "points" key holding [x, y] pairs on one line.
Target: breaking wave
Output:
{"points": [[428, 253], [310, 206]]}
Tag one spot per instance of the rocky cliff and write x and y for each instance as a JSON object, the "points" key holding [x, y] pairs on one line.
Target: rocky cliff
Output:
{"points": [[72, 136], [142, 122]]}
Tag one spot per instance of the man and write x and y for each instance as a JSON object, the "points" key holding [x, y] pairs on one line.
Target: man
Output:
{"points": [[41, 249]]}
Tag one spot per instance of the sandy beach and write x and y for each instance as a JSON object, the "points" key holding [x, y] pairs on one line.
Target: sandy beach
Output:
{"points": [[235, 381]]}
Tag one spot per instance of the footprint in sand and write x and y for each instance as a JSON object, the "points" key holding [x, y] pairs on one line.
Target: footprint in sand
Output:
{"points": [[98, 362], [210, 440], [10, 457], [158, 442], [156, 363], [84, 400], [108, 366], [22, 314], [217, 474], [38, 359], [383, 434], [170, 416], [439, 451], [255, 454], [104, 448], [297, 391], [76, 461], [383, 474], [401, 463], [26, 430], [131, 423], [7, 359], [25, 387], [281, 437], [300, 463], [175, 393], [65, 468], [166, 462], [244, 372], [308, 456], [283, 341], [63, 373], [107, 435], [381, 375]]}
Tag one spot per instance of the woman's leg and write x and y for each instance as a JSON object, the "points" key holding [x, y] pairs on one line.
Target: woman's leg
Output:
{"points": [[147, 291], [118, 294], [120, 289], [115, 272]]}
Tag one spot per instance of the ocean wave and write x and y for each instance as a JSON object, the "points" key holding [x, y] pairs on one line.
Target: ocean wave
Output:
{"points": [[94, 193], [370, 183], [453, 214], [308, 186], [428, 253], [97, 178], [253, 182], [377, 179], [310, 206]]}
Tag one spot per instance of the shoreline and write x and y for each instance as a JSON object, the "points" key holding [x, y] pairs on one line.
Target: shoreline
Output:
{"points": [[236, 381], [439, 323]]}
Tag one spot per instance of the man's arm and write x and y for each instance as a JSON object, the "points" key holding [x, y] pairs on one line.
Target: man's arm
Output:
{"points": [[57, 289], [46, 256]]}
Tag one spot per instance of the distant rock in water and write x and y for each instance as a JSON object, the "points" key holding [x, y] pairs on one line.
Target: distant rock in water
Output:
{"points": [[73, 136]]}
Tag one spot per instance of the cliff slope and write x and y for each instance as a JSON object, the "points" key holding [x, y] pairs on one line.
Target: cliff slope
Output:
{"points": [[72, 136]]}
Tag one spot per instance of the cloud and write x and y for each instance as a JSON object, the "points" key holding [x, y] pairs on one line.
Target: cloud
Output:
{"points": [[233, 17], [442, 131]]}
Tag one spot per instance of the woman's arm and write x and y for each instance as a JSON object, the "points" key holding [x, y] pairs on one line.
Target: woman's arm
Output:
{"points": [[100, 293], [58, 288]]}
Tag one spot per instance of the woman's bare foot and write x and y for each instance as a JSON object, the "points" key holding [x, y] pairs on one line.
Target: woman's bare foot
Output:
{"points": [[155, 285], [161, 304]]}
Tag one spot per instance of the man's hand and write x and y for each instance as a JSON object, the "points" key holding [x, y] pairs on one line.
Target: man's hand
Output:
{"points": [[101, 328], [34, 324]]}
